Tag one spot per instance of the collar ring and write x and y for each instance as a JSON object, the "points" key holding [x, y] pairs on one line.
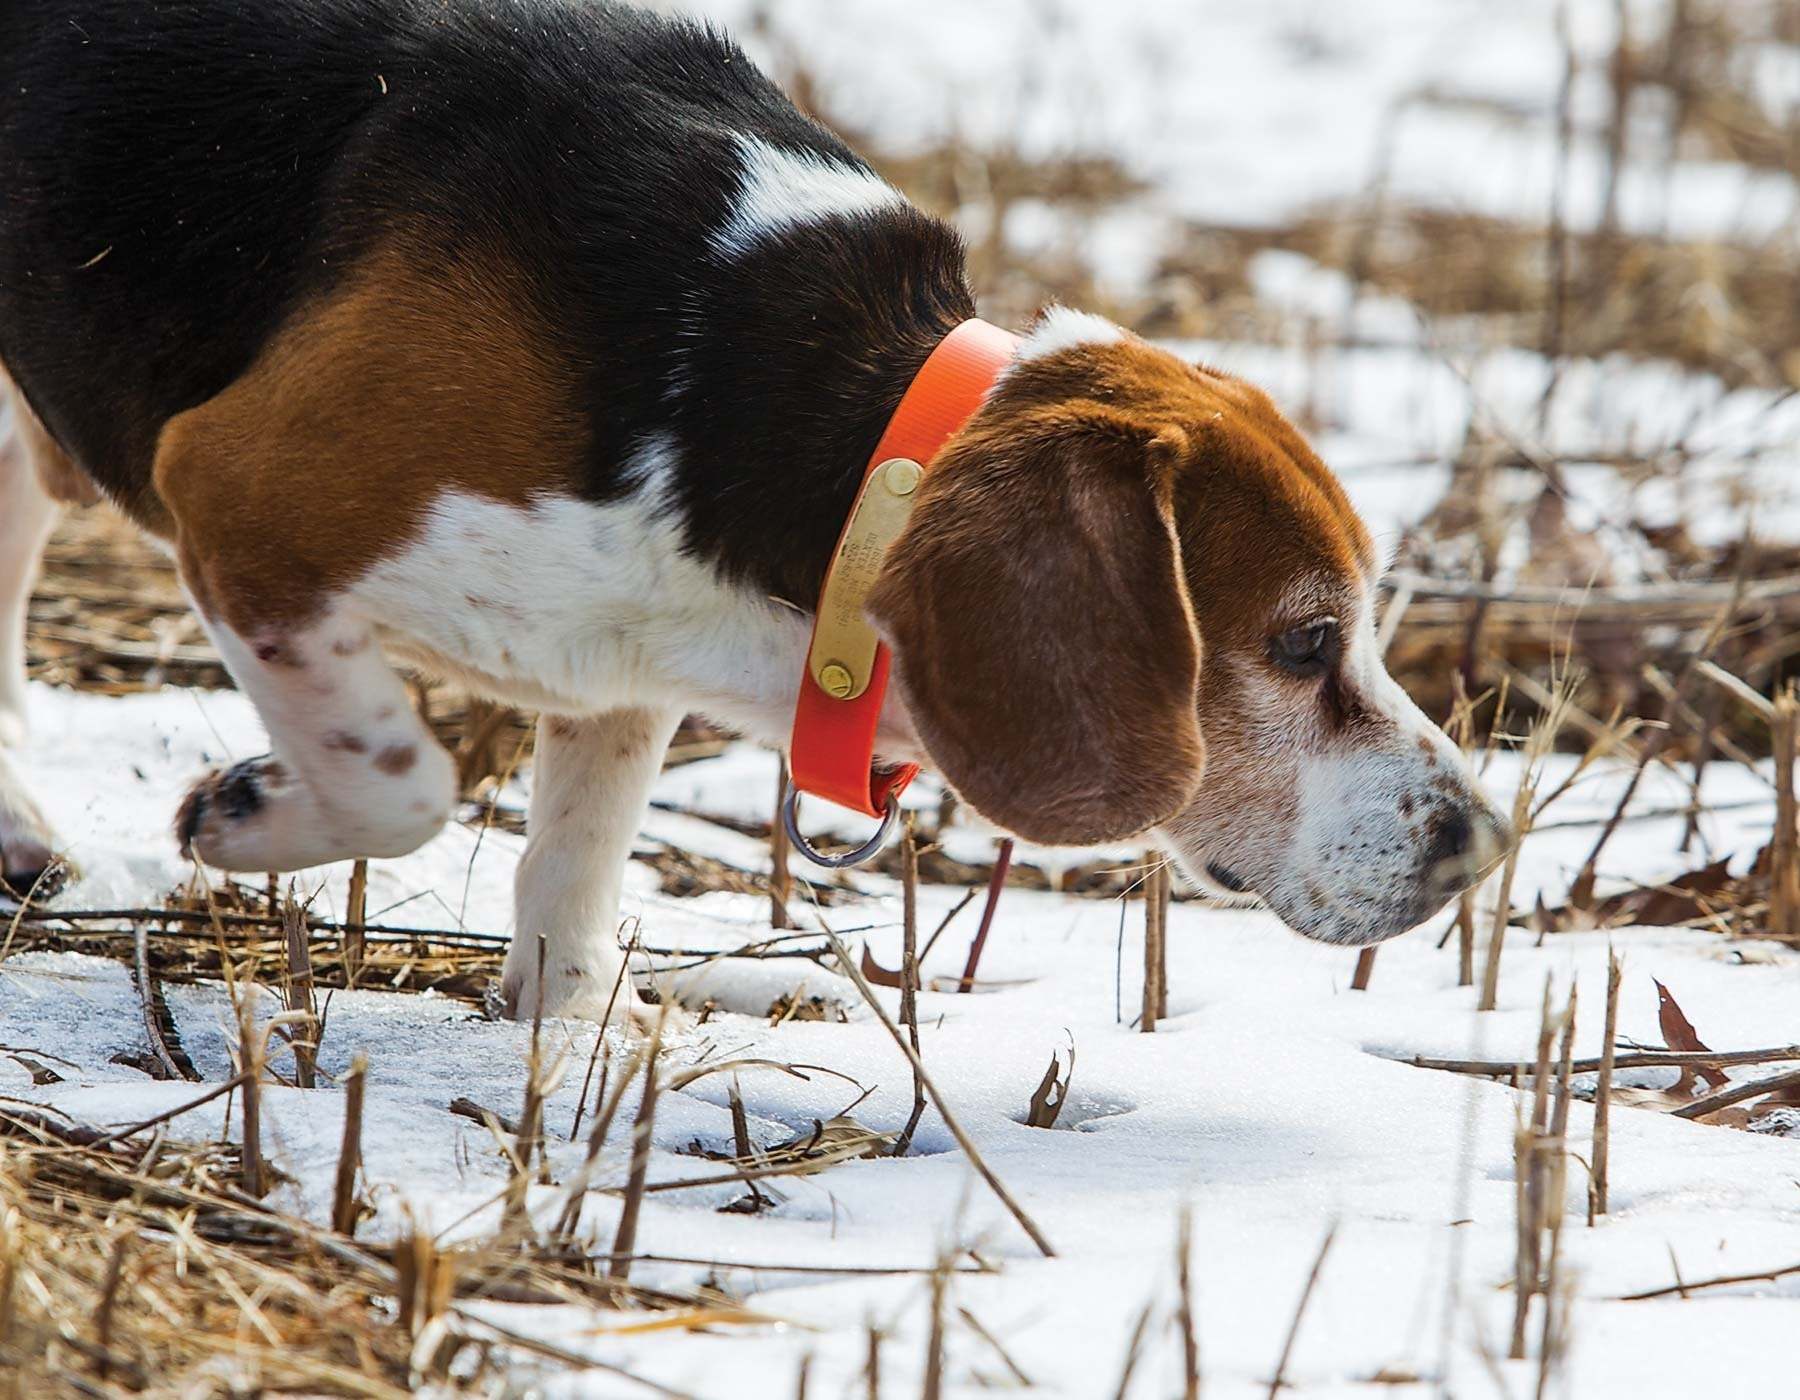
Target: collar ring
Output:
{"points": [[840, 860]]}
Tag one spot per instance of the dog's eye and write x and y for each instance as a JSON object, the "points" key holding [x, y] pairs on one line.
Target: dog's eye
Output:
{"points": [[1309, 650]]}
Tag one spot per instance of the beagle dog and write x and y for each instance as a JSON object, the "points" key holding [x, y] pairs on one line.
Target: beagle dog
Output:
{"points": [[541, 344]]}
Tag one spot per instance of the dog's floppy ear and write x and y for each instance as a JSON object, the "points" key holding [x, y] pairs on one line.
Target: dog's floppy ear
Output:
{"points": [[1041, 627]]}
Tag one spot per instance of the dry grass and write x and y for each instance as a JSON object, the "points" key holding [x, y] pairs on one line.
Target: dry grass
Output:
{"points": [[143, 1264]]}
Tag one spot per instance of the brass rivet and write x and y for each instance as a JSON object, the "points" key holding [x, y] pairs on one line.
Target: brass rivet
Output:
{"points": [[835, 680], [902, 476]]}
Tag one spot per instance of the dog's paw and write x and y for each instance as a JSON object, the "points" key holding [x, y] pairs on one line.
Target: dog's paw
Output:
{"points": [[578, 997], [29, 865], [224, 819]]}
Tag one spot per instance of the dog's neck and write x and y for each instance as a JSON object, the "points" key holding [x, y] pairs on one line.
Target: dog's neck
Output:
{"points": [[784, 376], [836, 430]]}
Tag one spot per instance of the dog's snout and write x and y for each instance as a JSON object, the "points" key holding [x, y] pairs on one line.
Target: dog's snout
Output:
{"points": [[1466, 842], [1453, 834]]}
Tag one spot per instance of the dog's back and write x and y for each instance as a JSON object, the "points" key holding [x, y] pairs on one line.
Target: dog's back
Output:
{"points": [[162, 168], [180, 181]]}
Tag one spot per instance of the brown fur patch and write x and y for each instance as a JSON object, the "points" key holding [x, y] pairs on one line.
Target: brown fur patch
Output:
{"points": [[561, 726], [1041, 623], [1109, 507], [407, 380], [397, 759]]}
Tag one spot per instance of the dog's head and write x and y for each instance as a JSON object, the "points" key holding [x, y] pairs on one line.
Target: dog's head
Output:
{"points": [[1131, 598]]}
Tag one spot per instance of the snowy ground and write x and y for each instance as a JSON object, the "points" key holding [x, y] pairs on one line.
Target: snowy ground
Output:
{"points": [[1268, 1103]]}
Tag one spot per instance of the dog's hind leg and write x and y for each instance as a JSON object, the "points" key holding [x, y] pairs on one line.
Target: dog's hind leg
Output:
{"points": [[591, 780], [27, 514]]}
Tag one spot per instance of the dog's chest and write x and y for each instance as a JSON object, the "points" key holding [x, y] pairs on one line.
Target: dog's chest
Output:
{"points": [[580, 607]]}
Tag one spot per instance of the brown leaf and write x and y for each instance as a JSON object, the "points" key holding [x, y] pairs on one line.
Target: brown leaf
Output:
{"points": [[1051, 1094], [1782, 1098], [41, 1073], [1660, 1100], [1694, 895], [1581, 893], [876, 973], [1686, 897], [1679, 1034], [1542, 920]]}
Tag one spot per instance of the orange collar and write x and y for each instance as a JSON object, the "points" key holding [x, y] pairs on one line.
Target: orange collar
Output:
{"points": [[832, 751]]}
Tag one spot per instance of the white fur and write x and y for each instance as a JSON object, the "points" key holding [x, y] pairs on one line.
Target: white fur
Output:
{"points": [[590, 782], [356, 771], [26, 841], [1063, 328], [1336, 826], [597, 612], [782, 189], [26, 517], [1367, 812], [579, 608]]}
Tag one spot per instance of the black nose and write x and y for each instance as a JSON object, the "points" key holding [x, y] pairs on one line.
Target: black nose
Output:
{"points": [[1450, 837]]}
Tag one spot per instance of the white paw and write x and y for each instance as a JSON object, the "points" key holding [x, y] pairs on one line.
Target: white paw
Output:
{"points": [[260, 815], [578, 991]]}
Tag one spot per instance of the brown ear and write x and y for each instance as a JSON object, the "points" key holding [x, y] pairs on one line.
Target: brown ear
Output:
{"points": [[1041, 627]]}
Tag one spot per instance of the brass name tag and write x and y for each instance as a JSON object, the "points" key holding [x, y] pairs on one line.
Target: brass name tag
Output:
{"points": [[843, 645]]}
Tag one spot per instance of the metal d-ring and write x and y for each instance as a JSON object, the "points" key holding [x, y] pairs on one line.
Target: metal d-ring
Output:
{"points": [[790, 818]]}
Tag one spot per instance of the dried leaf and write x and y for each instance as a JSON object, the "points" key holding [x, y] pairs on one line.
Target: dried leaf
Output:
{"points": [[1542, 919], [1782, 1098], [1051, 1094], [1679, 1034], [1686, 897], [827, 1143], [876, 973], [41, 1073], [1659, 1100], [1696, 895]]}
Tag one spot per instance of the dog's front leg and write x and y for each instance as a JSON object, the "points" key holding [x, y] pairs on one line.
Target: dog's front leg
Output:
{"points": [[352, 770], [590, 785], [26, 516]]}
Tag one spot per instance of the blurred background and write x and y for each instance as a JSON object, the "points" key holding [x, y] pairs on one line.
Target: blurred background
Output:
{"points": [[1528, 272]]}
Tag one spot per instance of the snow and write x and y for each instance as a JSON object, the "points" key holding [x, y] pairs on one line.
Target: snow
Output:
{"points": [[1270, 1104], [1252, 114]]}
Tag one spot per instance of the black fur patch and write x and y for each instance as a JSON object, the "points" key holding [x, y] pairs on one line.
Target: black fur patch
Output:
{"points": [[190, 817], [177, 178], [236, 794]]}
